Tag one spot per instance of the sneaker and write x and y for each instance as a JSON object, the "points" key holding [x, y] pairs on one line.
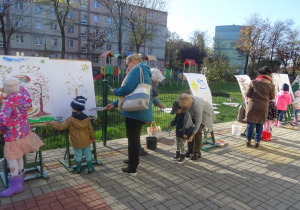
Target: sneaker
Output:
{"points": [[127, 171], [126, 161], [143, 152]]}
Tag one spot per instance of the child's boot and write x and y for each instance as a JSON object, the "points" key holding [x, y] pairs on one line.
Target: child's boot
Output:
{"points": [[275, 123], [295, 121], [256, 144], [78, 167], [90, 166], [248, 142], [279, 124], [176, 157], [182, 159], [268, 137], [264, 135], [15, 186]]}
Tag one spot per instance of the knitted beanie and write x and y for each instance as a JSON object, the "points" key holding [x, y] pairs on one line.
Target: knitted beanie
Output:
{"points": [[78, 103], [285, 87], [11, 85]]}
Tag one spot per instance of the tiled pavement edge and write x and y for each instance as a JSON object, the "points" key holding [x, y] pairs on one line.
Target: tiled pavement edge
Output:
{"points": [[232, 177]]}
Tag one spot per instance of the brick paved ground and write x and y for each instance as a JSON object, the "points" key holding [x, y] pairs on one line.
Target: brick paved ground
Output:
{"points": [[232, 177]]}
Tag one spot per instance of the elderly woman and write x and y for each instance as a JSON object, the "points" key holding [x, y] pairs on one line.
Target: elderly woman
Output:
{"points": [[156, 77], [134, 120], [259, 92], [202, 113]]}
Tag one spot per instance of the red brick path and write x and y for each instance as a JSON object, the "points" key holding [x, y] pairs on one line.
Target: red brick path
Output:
{"points": [[80, 197]]}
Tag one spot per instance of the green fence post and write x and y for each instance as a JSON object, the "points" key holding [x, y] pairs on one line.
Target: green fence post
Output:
{"points": [[104, 114]]}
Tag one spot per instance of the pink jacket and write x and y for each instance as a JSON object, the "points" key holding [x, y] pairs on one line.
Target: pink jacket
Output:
{"points": [[282, 100], [13, 115]]}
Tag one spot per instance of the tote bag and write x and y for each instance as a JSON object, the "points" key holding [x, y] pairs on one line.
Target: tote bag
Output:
{"points": [[241, 114], [139, 99]]}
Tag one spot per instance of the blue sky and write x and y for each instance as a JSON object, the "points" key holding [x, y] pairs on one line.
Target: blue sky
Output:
{"points": [[186, 16]]}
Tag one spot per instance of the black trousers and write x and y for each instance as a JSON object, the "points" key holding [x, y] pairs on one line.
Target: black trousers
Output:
{"points": [[197, 141], [133, 132]]}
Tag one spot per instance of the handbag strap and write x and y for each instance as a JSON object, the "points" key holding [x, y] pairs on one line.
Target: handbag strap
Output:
{"points": [[141, 75]]}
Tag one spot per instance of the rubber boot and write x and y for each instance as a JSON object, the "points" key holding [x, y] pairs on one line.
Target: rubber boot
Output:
{"points": [[176, 157], [264, 135], [248, 142], [182, 159], [279, 124], [275, 123], [295, 121], [78, 167], [90, 166], [188, 153], [256, 144], [15, 186], [268, 137]]}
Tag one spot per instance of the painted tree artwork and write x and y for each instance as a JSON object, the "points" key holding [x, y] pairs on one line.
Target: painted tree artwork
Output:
{"points": [[243, 81], [52, 84]]}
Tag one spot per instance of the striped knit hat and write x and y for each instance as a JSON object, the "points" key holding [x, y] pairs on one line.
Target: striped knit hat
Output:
{"points": [[78, 103]]}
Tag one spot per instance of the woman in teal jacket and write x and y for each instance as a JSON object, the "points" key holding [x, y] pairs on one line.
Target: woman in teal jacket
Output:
{"points": [[134, 120]]}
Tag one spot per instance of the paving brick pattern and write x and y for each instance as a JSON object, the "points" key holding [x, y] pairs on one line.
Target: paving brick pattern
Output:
{"points": [[232, 177]]}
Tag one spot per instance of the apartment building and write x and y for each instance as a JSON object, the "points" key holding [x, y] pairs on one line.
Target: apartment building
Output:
{"points": [[39, 34], [225, 37]]}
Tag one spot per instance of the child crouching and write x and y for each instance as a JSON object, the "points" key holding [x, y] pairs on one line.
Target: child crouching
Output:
{"points": [[184, 129], [81, 133]]}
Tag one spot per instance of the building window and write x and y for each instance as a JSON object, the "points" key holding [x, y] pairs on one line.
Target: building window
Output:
{"points": [[18, 5], [108, 47], [53, 42], [19, 39], [52, 11], [53, 56], [37, 25], [54, 26], [20, 23], [84, 6], [70, 14], [70, 44], [96, 59], [83, 21], [1, 9], [109, 20], [109, 34], [38, 41], [70, 29], [150, 51], [96, 4], [84, 49], [96, 47], [83, 36], [96, 18], [69, 56], [38, 9], [151, 16], [1, 43], [96, 32]]}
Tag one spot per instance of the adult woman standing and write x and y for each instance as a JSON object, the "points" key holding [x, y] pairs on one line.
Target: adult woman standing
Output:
{"points": [[202, 113], [259, 92], [134, 120]]}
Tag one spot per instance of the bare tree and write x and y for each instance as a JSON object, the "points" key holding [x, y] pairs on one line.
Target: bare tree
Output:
{"points": [[11, 21], [174, 43]]}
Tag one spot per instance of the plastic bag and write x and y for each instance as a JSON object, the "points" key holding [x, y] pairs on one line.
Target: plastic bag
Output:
{"points": [[154, 131]]}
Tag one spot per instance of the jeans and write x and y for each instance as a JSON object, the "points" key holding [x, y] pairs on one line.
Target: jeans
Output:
{"points": [[280, 114], [296, 114], [133, 132], [250, 128], [86, 151]]}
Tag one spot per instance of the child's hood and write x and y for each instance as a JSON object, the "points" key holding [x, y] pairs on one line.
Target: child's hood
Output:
{"points": [[80, 123], [21, 100]]}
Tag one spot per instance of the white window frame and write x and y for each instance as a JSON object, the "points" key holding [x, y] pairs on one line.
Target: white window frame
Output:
{"points": [[38, 40], [38, 25], [109, 34], [20, 23], [96, 18], [70, 14], [19, 6], [109, 20], [96, 4], [151, 16], [83, 21], [84, 49], [38, 9], [71, 44], [54, 26], [96, 46], [108, 47], [96, 32], [53, 42], [70, 29], [19, 39], [150, 51], [52, 11], [83, 6]]}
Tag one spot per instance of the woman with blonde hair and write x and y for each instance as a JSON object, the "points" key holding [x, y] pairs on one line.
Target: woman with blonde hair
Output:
{"points": [[157, 76], [202, 114]]}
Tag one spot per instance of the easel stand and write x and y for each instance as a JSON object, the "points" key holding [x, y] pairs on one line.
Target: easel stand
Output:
{"points": [[69, 159], [37, 165], [208, 140]]}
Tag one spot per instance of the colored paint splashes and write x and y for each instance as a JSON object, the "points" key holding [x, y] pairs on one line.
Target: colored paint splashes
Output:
{"points": [[13, 59], [43, 61]]}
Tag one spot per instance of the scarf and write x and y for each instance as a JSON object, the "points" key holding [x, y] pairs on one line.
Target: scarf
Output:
{"points": [[264, 78]]}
